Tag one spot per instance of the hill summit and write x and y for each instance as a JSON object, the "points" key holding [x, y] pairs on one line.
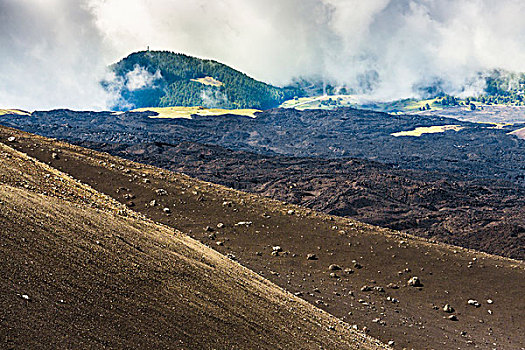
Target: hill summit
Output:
{"points": [[166, 79]]}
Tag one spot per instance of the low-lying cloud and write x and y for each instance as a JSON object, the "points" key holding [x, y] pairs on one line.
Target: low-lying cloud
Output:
{"points": [[54, 52], [140, 78], [52, 55]]}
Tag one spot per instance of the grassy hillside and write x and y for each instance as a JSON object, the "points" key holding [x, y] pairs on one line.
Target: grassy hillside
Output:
{"points": [[166, 79]]}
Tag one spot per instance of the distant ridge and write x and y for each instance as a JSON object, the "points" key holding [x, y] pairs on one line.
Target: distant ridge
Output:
{"points": [[167, 79]]}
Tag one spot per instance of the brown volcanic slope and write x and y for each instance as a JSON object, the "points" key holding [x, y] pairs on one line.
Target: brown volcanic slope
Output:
{"points": [[379, 258], [486, 215], [81, 271]]}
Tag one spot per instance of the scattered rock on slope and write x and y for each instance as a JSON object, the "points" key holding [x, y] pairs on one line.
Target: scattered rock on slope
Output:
{"points": [[415, 282]]}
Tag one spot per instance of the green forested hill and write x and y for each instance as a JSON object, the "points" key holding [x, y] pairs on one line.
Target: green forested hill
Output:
{"points": [[164, 79]]}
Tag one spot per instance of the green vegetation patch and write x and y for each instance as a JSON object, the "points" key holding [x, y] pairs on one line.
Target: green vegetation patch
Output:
{"points": [[167, 79]]}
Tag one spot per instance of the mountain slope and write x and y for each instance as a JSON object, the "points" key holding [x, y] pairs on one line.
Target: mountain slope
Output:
{"points": [[486, 215], [165, 79], [463, 187], [82, 271], [373, 294]]}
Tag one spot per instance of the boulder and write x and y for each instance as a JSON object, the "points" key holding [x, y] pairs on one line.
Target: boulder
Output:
{"points": [[415, 282]]}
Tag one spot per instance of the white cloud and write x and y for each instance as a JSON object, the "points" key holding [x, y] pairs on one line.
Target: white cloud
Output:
{"points": [[140, 78], [54, 52], [51, 55]]}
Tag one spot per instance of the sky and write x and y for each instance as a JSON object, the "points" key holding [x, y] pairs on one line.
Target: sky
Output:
{"points": [[54, 53]]}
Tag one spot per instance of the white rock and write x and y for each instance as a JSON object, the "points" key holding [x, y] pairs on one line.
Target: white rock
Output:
{"points": [[243, 223], [473, 303], [448, 308], [334, 267], [161, 192], [414, 282]]}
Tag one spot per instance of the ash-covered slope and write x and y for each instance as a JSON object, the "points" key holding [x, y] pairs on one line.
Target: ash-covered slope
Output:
{"points": [[80, 270], [487, 215], [354, 271]]}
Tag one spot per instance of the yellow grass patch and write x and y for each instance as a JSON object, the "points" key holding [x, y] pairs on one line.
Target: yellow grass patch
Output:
{"points": [[13, 111], [428, 130], [520, 133], [187, 112], [208, 81]]}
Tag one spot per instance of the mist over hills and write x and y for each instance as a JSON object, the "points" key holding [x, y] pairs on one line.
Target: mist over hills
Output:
{"points": [[166, 79], [56, 58]]}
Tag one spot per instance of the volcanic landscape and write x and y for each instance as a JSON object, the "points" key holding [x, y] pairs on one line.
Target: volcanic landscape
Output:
{"points": [[131, 264], [461, 187]]}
